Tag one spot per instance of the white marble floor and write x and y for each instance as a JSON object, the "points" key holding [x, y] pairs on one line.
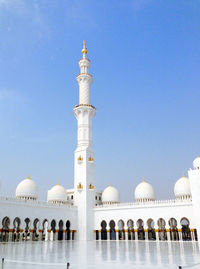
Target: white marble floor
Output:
{"points": [[104, 255]]}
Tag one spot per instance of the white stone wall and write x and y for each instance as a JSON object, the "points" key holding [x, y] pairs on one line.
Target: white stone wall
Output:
{"points": [[13, 208], [152, 210]]}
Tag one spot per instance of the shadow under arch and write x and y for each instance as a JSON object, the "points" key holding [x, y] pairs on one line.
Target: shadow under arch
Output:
{"points": [[5, 229], [186, 233], [103, 230], [131, 232], [60, 230], [26, 235], [162, 234], [151, 229], [112, 230], [173, 229], [141, 233], [16, 229], [45, 224], [68, 235], [121, 229]]}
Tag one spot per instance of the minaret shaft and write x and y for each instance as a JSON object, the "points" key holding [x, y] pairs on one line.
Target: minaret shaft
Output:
{"points": [[84, 169]]}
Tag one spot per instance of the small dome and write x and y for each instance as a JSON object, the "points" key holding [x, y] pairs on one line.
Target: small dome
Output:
{"points": [[144, 192], [110, 195], [27, 189], [182, 188], [196, 163], [57, 194]]}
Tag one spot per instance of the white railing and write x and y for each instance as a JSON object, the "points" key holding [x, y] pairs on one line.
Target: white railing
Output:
{"points": [[147, 203], [34, 202]]}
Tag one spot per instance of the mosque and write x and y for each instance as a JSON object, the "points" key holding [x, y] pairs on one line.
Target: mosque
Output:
{"points": [[84, 213]]}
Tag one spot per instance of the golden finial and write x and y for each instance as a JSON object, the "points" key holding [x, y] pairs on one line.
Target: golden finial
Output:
{"points": [[183, 175], [143, 180], [28, 176], [110, 185], [84, 50], [58, 183]]}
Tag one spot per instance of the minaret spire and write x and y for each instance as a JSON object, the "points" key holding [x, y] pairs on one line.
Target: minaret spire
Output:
{"points": [[84, 50]]}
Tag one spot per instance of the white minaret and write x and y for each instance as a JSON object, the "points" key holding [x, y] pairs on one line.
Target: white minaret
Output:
{"points": [[84, 169], [194, 177]]}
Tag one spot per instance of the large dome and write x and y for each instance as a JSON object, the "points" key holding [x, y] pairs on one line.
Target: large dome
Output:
{"points": [[110, 195], [144, 192], [27, 189], [182, 188], [196, 163], [57, 194]]}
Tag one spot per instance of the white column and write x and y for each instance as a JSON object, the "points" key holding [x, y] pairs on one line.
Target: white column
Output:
{"points": [[117, 234], [180, 235], [136, 234], [156, 232], [192, 235], [108, 234], [168, 233], [126, 233], [146, 232]]}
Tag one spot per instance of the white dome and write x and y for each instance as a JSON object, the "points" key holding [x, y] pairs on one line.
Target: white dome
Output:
{"points": [[182, 188], [196, 163], [110, 195], [57, 194], [27, 189], [144, 192]]}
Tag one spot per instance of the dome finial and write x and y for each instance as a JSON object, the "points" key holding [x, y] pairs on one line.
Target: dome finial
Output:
{"points": [[84, 50], [183, 175], [28, 176], [143, 179], [58, 182]]}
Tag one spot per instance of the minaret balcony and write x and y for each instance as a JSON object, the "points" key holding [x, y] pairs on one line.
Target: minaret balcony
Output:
{"points": [[88, 105]]}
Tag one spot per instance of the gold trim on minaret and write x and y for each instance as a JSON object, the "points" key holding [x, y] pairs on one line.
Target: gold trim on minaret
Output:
{"points": [[84, 50]]}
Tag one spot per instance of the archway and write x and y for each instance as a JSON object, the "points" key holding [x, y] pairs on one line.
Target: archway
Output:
{"points": [[112, 230], [103, 230], [173, 229], [140, 225], [53, 230], [131, 233], [161, 230], [186, 233], [35, 230], [151, 230], [121, 229], [67, 236], [16, 229], [60, 231], [26, 235], [45, 230], [5, 229]]}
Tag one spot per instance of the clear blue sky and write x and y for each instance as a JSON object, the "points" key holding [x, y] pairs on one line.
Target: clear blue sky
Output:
{"points": [[145, 61]]}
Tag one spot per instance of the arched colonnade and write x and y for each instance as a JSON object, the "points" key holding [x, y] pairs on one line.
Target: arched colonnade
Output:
{"points": [[35, 230], [151, 230]]}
